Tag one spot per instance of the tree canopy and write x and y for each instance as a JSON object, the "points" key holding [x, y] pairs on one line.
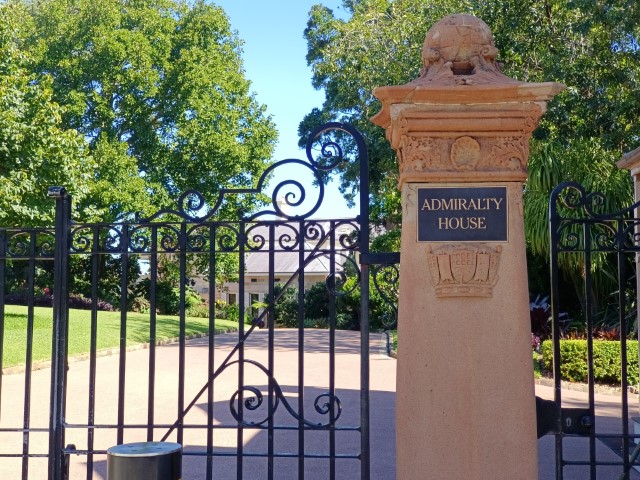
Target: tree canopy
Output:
{"points": [[589, 45], [156, 93], [36, 150]]}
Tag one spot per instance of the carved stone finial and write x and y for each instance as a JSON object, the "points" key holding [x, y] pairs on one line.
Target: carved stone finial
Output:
{"points": [[459, 50], [462, 120]]}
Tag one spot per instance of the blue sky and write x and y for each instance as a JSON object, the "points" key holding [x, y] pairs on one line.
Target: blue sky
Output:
{"points": [[274, 60]]}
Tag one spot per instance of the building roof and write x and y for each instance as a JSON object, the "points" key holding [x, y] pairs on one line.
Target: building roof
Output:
{"points": [[285, 261]]}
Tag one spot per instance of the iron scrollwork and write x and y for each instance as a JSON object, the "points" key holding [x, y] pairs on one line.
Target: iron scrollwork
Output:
{"points": [[337, 283], [579, 221], [34, 243], [289, 199], [386, 280], [322, 403]]}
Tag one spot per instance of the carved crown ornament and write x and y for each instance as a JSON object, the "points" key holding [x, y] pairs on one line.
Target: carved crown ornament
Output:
{"points": [[462, 119], [469, 270]]}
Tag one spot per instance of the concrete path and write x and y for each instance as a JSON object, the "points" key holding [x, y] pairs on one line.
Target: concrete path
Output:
{"points": [[316, 368]]}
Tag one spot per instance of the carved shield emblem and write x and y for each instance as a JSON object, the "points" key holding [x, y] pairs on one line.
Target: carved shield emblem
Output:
{"points": [[463, 265], [469, 271]]}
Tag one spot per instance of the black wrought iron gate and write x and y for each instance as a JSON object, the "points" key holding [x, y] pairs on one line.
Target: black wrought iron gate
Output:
{"points": [[242, 404], [596, 436]]}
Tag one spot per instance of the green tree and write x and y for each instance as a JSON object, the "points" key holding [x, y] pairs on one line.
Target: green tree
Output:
{"points": [[36, 149], [158, 91], [286, 306], [316, 301], [593, 47], [378, 45], [590, 46]]}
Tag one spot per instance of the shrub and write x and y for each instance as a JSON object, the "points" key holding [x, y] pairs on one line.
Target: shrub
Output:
{"points": [[75, 301], [607, 360], [21, 298], [200, 310], [221, 309], [540, 315], [286, 308], [84, 303], [535, 342], [316, 301], [345, 321], [537, 373], [168, 296], [140, 305], [233, 312]]}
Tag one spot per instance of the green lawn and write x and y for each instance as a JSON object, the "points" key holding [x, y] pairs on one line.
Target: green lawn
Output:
{"points": [[15, 331]]}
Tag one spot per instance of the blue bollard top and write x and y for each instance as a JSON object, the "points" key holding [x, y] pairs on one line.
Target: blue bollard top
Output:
{"points": [[144, 449]]}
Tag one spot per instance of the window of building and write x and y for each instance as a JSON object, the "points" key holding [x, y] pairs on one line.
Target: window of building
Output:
{"points": [[255, 311], [232, 299]]}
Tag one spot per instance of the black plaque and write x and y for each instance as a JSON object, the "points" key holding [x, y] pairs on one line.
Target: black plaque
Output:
{"points": [[462, 214]]}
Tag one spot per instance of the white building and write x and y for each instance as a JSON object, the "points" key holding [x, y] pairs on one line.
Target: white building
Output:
{"points": [[314, 264]]}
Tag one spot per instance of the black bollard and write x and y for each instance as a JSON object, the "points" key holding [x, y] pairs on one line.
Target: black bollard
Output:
{"points": [[145, 461]]}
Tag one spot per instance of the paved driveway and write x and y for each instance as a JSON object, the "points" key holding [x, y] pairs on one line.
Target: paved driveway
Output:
{"points": [[316, 368], [316, 379], [608, 420]]}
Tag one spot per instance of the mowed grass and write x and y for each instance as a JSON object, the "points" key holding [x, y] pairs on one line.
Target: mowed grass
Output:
{"points": [[108, 331]]}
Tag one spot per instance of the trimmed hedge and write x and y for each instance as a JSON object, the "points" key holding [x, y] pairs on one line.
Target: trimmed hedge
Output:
{"points": [[606, 360]]}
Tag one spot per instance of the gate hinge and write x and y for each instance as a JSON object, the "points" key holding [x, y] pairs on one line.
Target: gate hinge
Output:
{"points": [[384, 258], [553, 419]]}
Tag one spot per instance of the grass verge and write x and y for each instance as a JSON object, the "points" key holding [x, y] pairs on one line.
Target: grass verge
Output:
{"points": [[108, 331]]}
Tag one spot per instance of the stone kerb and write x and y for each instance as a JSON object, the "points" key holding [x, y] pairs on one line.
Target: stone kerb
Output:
{"points": [[465, 392]]}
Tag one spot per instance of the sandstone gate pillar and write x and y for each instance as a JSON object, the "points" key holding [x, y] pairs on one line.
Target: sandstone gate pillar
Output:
{"points": [[631, 161], [465, 392]]}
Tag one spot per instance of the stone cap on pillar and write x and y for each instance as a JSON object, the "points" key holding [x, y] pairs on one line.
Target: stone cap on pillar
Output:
{"points": [[462, 119], [631, 161]]}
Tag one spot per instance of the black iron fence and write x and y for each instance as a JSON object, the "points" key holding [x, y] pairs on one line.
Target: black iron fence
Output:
{"points": [[595, 251], [239, 403]]}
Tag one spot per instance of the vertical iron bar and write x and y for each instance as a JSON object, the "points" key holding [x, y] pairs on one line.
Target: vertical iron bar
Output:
{"points": [[301, 431], [589, 316], [212, 316], [124, 247], [95, 265], [554, 219], [332, 350], [3, 266], [363, 242], [59, 334], [622, 273], [271, 367], [153, 279], [635, 271], [181, 346], [241, 269], [31, 270]]}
